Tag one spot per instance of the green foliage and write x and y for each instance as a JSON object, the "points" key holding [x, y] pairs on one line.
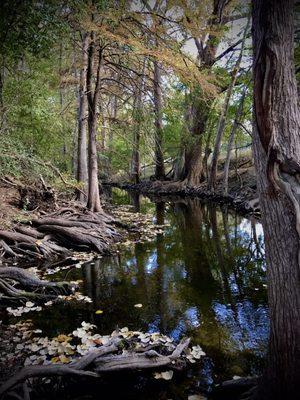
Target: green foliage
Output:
{"points": [[174, 121], [33, 111], [29, 25]]}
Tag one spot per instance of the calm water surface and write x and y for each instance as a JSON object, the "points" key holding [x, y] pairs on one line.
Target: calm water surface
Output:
{"points": [[204, 277]]}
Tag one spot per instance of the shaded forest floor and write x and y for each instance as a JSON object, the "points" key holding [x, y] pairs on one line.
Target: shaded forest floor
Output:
{"points": [[9, 210]]}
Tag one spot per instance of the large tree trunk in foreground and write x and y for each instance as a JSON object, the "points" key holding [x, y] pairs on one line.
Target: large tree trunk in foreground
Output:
{"points": [[276, 139], [93, 202], [82, 168], [159, 158]]}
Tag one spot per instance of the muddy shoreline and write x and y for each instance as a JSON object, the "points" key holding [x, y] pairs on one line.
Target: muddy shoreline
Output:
{"points": [[243, 201]]}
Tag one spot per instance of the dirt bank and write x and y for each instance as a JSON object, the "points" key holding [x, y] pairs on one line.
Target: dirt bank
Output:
{"points": [[242, 191]]}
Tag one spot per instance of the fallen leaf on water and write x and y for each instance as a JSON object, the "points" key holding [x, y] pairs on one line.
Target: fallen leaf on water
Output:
{"points": [[139, 305], [64, 359], [166, 375], [63, 338], [99, 312], [236, 377]]}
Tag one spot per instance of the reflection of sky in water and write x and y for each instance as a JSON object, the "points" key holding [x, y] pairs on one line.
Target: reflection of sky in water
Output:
{"points": [[246, 324], [192, 315], [188, 284], [245, 226], [151, 263]]}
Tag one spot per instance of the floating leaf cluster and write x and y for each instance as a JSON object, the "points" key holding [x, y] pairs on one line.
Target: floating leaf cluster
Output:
{"points": [[29, 306], [143, 225], [63, 349], [77, 296]]}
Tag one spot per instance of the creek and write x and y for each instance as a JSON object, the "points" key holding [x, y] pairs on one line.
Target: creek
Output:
{"points": [[202, 276]]}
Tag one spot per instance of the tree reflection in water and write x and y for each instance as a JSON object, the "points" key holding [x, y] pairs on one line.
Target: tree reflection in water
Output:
{"points": [[203, 277]]}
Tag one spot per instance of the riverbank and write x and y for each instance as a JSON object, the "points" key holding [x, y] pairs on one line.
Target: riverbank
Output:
{"points": [[198, 269], [242, 191]]}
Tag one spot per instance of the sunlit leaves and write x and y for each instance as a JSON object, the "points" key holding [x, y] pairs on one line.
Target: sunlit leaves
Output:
{"points": [[16, 312], [63, 348], [166, 375]]}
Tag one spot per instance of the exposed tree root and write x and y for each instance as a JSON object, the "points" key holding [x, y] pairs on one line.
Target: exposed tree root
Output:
{"points": [[16, 283], [54, 235], [102, 360]]}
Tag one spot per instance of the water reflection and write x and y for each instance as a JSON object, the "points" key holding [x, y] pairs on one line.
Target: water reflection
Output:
{"points": [[203, 277]]}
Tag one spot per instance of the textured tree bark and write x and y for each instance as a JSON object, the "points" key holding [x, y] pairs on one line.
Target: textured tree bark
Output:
{"points": [[222, 123], [82, 169], [93, 202], [114, 112], [159, 158], [135, 162], [193, 168], [230, 143], [193, 165], [137, 116], [276, 143]]}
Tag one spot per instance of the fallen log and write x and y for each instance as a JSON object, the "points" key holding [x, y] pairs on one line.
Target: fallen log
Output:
{"points": [[119, 354], [133, 361], [74, 369]]}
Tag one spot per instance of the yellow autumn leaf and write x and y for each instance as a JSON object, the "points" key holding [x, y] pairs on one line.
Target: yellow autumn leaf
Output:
{"points": [[64, 359], [54, 360], [99, 312], [63, 338]]}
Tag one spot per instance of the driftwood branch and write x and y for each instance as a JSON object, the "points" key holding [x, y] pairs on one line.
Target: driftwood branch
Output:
{"points": [[103, 360]]}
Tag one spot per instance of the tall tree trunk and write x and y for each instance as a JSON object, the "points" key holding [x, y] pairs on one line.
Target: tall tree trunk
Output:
{"points": [[137, 118], [222, 123], [103, 129], [82, 167], [61, 101], [2, 108], [157, 94], [135, 160], [159, 158], [114, 113], [93, 202], [230, 142], [193, 169], [193, 166], [276, 142], [75, 130]]}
